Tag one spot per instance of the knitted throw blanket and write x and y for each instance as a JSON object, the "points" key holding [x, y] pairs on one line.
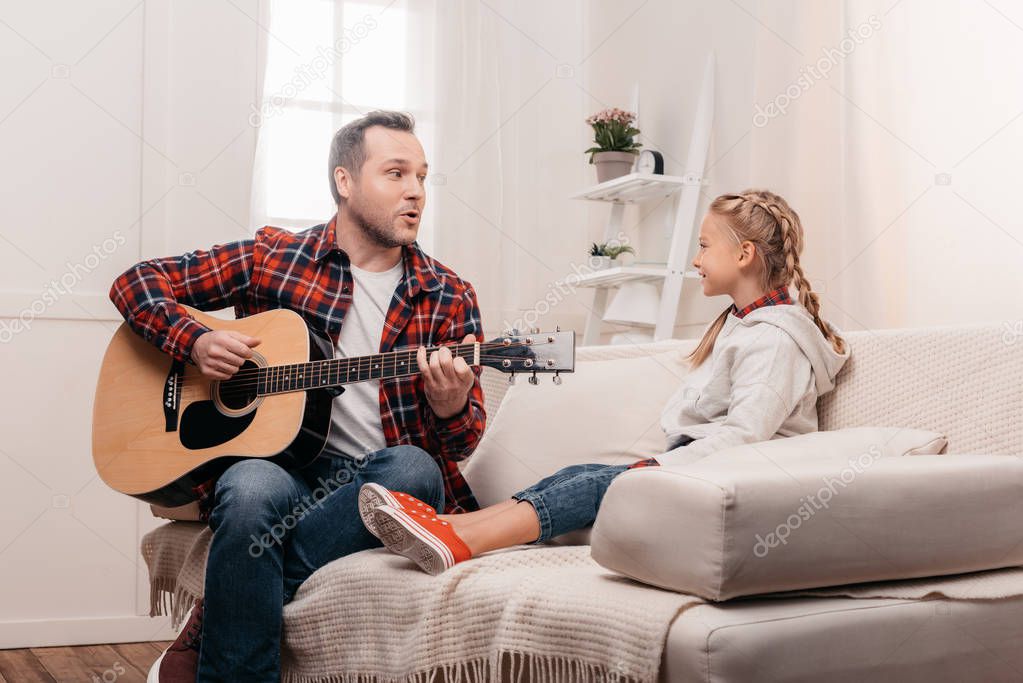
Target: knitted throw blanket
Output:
{"points": [[550, 613]]}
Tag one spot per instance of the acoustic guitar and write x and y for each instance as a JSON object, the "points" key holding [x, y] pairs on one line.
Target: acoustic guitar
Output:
{"points": [[160, 427]]}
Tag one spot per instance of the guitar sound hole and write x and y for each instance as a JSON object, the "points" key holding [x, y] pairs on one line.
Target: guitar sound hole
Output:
{"points": [[239, 391]]}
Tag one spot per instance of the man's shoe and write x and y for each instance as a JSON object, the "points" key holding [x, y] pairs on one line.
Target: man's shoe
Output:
{"points": [[180, 662], [372, 496], [429, 542]]}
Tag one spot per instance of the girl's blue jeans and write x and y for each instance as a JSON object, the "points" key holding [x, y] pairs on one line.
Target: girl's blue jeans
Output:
{"points": [[570, 498]]}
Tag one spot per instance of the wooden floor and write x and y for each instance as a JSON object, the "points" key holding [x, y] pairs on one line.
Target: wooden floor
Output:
{"points": [[123, 662]]}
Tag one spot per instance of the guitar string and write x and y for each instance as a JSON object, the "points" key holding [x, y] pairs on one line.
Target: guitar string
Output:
{"points": [[253, 376], [255, 372], [242, 389], [484, 346]]}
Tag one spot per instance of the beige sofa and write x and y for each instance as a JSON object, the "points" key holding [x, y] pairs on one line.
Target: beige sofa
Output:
{"points": [[909, 517]]}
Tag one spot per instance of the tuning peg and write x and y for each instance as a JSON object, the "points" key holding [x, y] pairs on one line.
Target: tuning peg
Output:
{"points": [[533, 380], [534, 330], [511, 378], [557, 379]]}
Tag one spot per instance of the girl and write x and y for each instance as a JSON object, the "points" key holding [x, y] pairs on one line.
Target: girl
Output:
{"points": [[756, 375]]}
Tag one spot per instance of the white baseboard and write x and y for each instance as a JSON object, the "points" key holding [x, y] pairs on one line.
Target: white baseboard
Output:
{"points": [[89, 631]]}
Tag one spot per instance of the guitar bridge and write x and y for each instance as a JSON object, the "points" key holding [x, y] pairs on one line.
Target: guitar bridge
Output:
{"points": [[172, 395]]}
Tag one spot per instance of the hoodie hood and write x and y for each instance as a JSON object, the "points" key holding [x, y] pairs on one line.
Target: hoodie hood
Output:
{"points": [[797, 322]]}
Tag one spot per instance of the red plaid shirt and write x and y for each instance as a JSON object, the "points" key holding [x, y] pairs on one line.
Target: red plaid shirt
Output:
{"points": [[772, 298], [308, 273]]}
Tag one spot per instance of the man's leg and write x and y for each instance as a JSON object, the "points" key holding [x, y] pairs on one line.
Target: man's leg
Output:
{"points": [[254, 512], [332, 527]]}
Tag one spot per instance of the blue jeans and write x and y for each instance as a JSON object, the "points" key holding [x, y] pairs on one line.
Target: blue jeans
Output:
{"points": [[272, 528], [570, 498]]}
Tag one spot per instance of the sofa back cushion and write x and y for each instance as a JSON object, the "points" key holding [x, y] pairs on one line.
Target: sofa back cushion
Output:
{"points": [[964, 381], [606, 412]]}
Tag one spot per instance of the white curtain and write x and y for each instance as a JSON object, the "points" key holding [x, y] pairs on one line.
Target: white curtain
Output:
{"points": [[326, 64], [510, 137], [503, 133], [902, 161]]}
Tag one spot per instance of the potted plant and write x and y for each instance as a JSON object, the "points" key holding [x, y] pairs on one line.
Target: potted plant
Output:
{"points": [[606, 255], [616, 147]]}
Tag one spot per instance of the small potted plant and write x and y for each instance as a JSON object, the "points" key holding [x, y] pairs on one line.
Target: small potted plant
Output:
{"points": [[616, 147], [606, 255]]}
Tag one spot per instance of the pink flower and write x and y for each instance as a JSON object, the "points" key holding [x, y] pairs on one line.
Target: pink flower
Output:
{"points": [[613, 114]]}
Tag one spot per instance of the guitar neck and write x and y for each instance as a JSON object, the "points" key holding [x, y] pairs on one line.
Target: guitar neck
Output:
{"points": [[335, 372]]}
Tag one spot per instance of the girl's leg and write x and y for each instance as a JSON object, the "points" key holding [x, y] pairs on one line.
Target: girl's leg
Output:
{"points": [[514, 523], [460, 521], [565, 501], [464, 519]]}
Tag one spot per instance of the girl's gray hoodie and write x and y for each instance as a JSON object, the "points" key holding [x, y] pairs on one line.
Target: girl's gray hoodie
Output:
{"points": [[761, 382]]}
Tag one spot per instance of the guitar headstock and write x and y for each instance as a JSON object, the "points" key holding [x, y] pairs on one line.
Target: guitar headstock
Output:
{"points": [[531, 352]]}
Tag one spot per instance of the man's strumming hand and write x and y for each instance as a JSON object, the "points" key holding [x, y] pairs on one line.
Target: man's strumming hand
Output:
{"points": [[219, 353]]}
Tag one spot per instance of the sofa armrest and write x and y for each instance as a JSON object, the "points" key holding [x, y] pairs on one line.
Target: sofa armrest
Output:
{"points": [[726, 527]]}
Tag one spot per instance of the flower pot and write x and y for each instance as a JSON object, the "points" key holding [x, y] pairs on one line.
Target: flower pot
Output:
{"points": [[611, 165], [599, 262]]}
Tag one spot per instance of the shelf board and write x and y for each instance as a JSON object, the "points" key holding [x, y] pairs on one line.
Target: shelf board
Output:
{"points": [[635, 187], [612, 277]]}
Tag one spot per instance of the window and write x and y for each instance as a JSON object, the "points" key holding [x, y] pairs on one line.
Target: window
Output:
{"points": [[329, 62]]}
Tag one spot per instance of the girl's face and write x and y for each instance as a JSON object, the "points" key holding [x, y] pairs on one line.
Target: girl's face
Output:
{"points": [[721, 262]]}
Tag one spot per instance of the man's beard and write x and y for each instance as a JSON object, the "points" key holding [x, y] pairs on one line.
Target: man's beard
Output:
{"points": [[378, 227]]}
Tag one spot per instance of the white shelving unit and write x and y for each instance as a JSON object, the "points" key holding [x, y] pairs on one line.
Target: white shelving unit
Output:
{"points": [[681, 223]]}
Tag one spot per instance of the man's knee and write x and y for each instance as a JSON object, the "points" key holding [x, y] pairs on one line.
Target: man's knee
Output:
{"points": [[253, 486], [414, 471]]}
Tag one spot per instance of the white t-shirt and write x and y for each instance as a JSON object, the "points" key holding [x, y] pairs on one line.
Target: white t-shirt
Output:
{"points": [[355, 427]]}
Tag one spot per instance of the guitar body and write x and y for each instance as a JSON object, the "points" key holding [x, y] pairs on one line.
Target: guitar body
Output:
{"points": [[160, 427]]}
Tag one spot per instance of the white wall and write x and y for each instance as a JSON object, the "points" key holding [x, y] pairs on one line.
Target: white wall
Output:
{"points": [[125, 131], [661, 46], [902, 163]]}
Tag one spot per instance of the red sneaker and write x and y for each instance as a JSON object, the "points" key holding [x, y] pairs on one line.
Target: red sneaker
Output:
{"points": [[372, 496], [180, 662], [429, 542]]}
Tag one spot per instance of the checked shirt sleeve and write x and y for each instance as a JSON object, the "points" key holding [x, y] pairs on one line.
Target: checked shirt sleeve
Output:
{"points": [[149, 295], [456, 437]]}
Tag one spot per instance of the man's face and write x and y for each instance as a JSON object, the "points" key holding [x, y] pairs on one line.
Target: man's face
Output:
{"points": [[387, 198]]}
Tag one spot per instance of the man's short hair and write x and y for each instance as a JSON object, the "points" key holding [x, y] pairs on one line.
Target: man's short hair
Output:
{"points": [[348, 149]]}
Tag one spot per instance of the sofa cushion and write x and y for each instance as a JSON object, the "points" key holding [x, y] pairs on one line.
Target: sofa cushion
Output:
{"points": [[182, 513], [847, 640], [961, 380], [748, 521], [605, 412]]}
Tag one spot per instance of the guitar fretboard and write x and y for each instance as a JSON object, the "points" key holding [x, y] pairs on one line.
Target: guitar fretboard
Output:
{"points": [[279, 379]]}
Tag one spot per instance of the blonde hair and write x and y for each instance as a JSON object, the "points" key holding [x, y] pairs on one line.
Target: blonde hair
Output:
{"points": [[766, 220]]}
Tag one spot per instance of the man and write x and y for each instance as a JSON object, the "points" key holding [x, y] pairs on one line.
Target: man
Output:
{"points": [[362, 280]]}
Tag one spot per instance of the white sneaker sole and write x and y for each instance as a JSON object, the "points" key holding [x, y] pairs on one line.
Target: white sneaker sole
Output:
{"points": [[154, 671], [372, 496], [406, 537]]}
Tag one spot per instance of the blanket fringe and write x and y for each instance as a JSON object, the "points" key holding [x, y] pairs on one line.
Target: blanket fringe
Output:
{"points": [[521, 667], [167, 596]]}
